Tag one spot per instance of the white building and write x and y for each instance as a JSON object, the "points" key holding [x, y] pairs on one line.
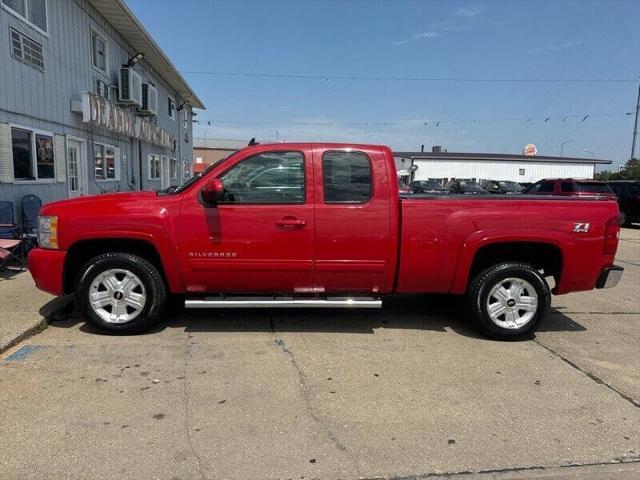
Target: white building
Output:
{"points": [[444, 166]]}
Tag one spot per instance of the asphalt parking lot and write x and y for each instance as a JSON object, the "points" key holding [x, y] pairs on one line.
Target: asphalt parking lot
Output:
{"points": [[408, 391]]}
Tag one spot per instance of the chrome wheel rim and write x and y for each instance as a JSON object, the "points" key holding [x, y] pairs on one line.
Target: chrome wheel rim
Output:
{"points": [[117, 296], [512, 303]]}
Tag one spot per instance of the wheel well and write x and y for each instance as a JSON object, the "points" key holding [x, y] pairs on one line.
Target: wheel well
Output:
{"points": [[542, 256], [83, 251]]}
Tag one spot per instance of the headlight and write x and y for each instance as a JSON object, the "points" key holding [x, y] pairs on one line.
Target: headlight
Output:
{"points": [[48, 232]]}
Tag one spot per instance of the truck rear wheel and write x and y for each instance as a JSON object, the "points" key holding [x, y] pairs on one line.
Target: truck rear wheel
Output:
{"points": [[508, 301], [121, 293]]}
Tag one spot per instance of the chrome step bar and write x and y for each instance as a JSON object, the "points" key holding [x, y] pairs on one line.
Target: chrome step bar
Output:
{"points": [[283, 302]]}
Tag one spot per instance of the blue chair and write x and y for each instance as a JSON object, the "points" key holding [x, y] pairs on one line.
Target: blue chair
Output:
{"points": [[31, 205], [8, 227]]}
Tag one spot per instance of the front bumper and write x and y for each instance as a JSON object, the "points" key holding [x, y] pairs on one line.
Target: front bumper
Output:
{"points": [[609, 277], [47, 269]]}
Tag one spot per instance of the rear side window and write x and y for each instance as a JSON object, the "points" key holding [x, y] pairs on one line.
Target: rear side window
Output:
{"points": [[546, 187], [347, 177], [593, 187]]}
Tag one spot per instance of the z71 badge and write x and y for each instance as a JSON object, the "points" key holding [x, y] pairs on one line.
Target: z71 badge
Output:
{"points": [[581, 227]]}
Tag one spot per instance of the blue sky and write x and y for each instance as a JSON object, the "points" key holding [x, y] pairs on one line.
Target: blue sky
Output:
{"points": [[417, 39]]}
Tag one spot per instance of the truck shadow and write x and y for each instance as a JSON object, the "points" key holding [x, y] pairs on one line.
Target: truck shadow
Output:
{"points": [[440, 313]]}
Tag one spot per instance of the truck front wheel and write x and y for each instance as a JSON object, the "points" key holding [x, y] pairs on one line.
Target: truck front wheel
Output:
{"points": [[508, 301], [121, 293]]}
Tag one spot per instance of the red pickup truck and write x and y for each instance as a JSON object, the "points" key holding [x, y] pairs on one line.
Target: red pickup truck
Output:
{"points": [[320, 225]]}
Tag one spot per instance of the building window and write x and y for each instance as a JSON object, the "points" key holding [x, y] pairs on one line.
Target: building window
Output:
{"points": [[34, 12], [185, 169], [171, 108], [106, 164], [26, 50], [98, 51], [32, 155], [173, 168], [522, 171], [153, 172]]}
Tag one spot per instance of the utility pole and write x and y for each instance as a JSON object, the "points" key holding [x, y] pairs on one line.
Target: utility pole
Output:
{"points": [[635, 126]]}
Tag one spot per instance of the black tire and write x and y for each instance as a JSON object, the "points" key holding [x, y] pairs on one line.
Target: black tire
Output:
{"points": [[155, 291], [480, 288], [625, 221]]}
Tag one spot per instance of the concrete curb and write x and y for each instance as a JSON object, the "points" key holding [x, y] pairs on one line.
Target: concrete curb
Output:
{"points": [[32, 328]]}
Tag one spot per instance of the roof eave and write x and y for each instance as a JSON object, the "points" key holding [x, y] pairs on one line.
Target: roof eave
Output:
{"points": [[114, 16]]}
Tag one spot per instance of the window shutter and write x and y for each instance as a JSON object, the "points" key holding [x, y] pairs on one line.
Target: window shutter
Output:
{"points": [[60, 157], [117, 162], [6, 154]]}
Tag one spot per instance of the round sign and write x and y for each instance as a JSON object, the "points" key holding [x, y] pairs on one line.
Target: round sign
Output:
{"points": [[530, 150]]}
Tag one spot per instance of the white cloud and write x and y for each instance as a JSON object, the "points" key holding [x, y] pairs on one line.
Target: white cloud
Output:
{"points": [[400, 42], [470, 11], [556, 47], [419, 36]]}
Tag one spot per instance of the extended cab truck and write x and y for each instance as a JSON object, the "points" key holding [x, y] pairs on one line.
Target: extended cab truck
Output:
{"points": [[320, 225]]}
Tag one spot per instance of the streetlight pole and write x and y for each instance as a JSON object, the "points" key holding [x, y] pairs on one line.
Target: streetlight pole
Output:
{"points": [[563, 144], [635, 126]]}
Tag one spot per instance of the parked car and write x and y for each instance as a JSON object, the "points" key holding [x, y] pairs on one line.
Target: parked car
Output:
{"points": [[466, 187], [402, 188], [628, 195], [427, 186], [501, 187], [570, 187], [333, 233]]}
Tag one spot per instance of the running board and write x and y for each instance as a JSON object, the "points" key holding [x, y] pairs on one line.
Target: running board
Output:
{"points": [[283, 302]]}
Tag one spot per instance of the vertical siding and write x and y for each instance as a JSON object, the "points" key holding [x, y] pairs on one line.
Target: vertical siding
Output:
{"points": [[40, 100], [500, 170]]}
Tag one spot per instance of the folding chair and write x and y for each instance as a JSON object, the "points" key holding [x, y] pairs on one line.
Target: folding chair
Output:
{"points": [[31, 205], [10, 242]]}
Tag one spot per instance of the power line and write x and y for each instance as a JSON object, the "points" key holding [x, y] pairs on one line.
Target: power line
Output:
{"points": [[301, 76], [416, 123]]}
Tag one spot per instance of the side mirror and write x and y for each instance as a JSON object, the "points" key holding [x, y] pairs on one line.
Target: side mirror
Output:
{"points": [[213, 192]]}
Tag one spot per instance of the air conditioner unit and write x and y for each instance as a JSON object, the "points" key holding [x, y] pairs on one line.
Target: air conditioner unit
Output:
{"points": [[149, 100], [129, 87], [102, 90]]}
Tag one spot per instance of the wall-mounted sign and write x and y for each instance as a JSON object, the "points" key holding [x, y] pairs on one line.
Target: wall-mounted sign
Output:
{"points": [[530, 150], [100, 112]]}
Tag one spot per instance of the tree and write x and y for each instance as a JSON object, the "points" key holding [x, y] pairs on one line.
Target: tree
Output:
{"points": [[630, 171]]}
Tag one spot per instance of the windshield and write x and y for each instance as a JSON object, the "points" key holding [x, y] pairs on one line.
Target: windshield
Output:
{"points": [[593, 187], [471, 187], [431, 185], [173, 190], [510, 187]]}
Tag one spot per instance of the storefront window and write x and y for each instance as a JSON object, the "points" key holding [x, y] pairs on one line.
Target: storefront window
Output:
{"points": [[22, 164], [44, 156], [32, 155], [105, 162]]}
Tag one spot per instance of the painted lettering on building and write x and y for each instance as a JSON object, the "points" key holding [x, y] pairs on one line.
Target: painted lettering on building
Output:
{"points": [[100, 112]]}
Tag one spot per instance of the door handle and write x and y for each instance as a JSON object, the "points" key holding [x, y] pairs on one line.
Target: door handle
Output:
{"points": [[290, 222]]}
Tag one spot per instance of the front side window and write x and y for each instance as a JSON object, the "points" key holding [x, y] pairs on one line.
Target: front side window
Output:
{"points": [[32, 155], [566, 187], [546, 187], [105, 162], [33, 11], [98, 51], [347, 177], [266, 178]]}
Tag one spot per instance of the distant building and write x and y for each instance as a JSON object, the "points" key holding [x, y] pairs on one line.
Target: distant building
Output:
{"points": [[208, 151], [89, 103], [444, 166]]}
